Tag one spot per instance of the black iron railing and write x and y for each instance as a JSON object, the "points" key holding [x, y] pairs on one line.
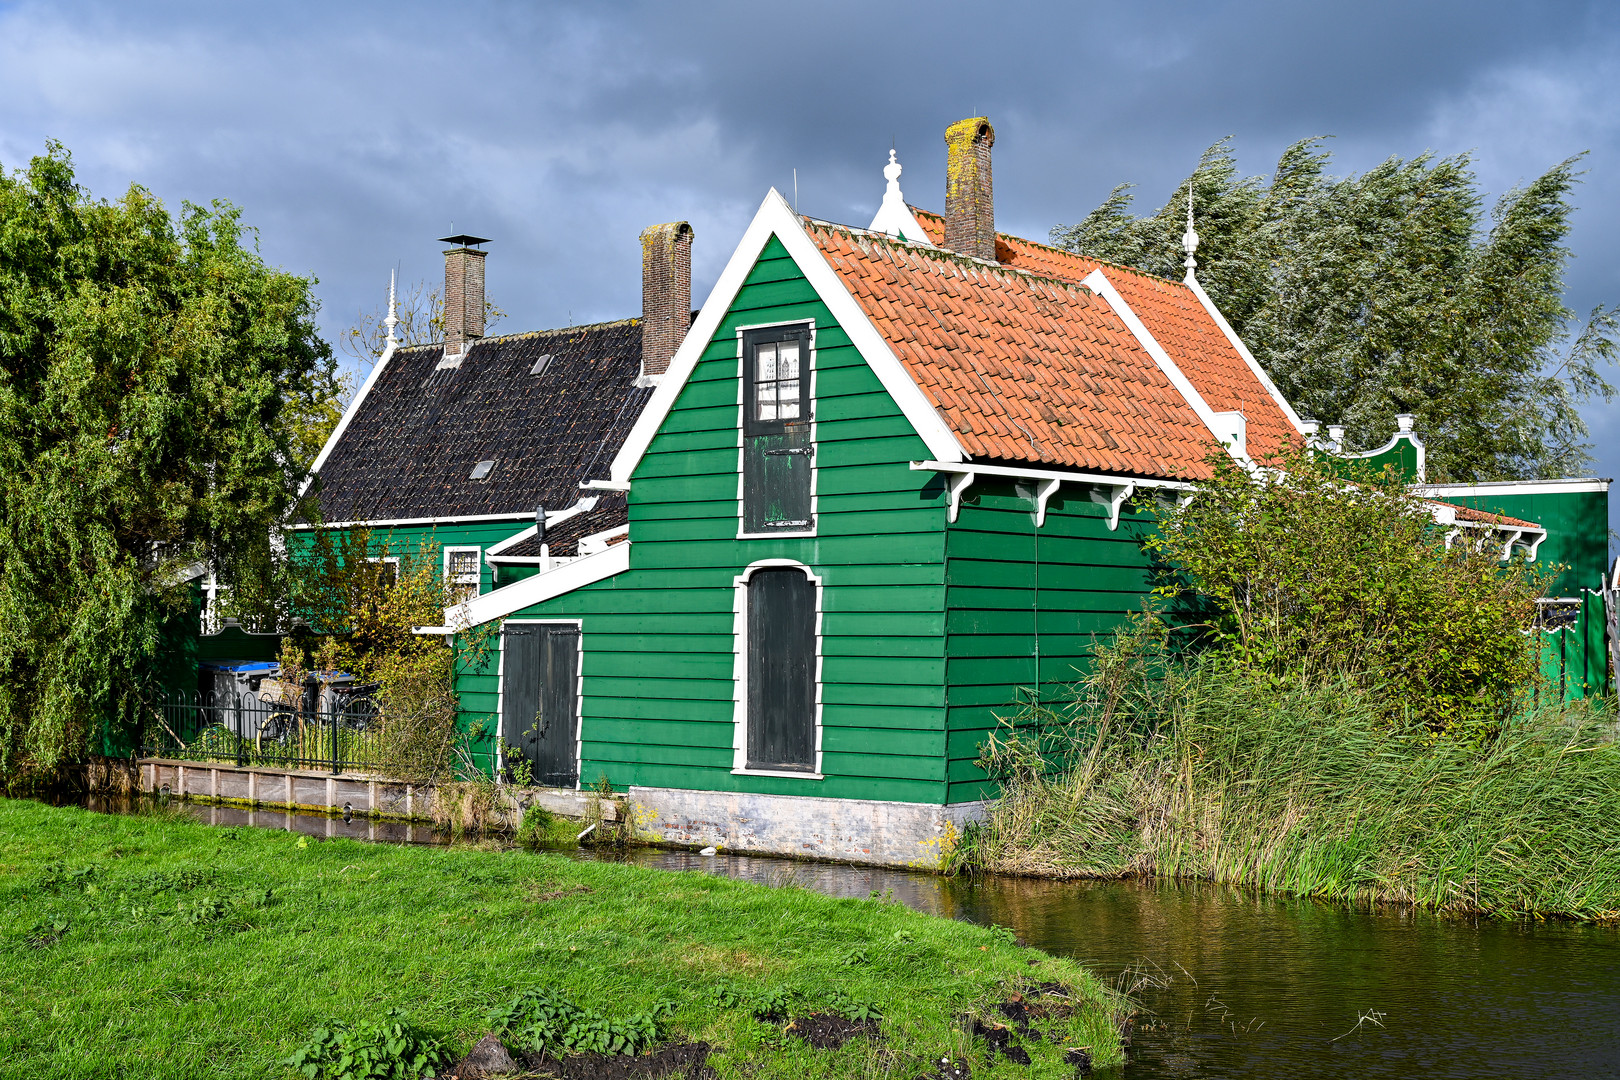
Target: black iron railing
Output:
{"points": [[326, 732]]}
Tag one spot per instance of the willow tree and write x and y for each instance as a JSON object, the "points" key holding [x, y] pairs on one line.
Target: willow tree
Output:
{"points": [[153, 371], [1388, 292]]}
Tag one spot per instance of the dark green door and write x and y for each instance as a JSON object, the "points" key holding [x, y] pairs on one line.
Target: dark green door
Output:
{"points": [[539, 697], [781, 670]]}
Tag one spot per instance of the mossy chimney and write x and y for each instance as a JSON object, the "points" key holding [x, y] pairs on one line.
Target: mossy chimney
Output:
{"points": [[970, 212]]}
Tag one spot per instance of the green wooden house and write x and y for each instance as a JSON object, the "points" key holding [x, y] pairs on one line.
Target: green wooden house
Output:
{"points": [[889, 488]]}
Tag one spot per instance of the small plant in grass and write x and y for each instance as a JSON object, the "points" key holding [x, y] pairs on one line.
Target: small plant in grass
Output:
{"points": [[542, 1021], [387, 1049], [536, 827]]}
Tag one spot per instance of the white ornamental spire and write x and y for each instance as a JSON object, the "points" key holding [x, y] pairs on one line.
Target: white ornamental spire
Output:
{"points": [[1189, 239], [894, 216], [392, 320]]}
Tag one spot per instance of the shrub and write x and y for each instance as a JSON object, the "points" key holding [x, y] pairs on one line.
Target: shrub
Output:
{"points": [[1296, 574]]}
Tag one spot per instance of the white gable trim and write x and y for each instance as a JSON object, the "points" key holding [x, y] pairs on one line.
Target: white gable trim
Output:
{"points": [[776, 218], [1229, 428], [541, 587], [1243, 351], [1571, 486], [348, 415]]}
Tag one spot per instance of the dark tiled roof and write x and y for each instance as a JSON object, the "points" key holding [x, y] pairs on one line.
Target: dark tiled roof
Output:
{"points": [[563, 539], [410, 450]]}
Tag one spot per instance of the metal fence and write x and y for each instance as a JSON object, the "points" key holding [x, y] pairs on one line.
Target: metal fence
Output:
{"points": [[327, 732]]}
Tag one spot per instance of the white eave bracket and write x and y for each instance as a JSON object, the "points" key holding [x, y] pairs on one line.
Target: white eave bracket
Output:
{"points": [[1118, 489]]}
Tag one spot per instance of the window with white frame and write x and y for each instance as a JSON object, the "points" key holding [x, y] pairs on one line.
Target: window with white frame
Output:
{"points": [[777, 445], [461, 572]]}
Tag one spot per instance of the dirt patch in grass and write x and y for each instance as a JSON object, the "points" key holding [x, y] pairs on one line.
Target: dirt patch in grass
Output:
{"points": [[672, 1061], [829, 1031]]}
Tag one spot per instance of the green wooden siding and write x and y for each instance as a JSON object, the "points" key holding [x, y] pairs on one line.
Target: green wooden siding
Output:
{"points": [[1575, 659], [429, 541], [658, 638], [1014, 594]]}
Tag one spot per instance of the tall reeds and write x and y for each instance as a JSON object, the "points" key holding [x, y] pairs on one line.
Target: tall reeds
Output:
{"points": [[1201, 771]]}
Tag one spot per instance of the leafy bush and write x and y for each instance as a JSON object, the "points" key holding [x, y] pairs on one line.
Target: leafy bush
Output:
{"points": [[1298, 575], [387, 1049], [540, 1020]]}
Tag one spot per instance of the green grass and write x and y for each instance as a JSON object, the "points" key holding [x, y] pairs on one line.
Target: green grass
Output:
{"points": [[154, 946], [1309, 792]]}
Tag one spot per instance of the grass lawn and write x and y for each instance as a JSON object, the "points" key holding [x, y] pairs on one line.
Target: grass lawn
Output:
{"points": [[156, 946]]}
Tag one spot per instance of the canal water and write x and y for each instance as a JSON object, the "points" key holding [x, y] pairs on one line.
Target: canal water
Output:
{"points": [[1235, 985]]}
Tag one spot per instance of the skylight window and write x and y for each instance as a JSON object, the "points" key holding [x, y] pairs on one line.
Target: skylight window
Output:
{"points": [[541, 364], [482, 470]]}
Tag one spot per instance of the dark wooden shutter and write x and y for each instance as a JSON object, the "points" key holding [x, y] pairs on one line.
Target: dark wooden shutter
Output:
{"points": [[781, 670], [539, 698], [777, 451]]}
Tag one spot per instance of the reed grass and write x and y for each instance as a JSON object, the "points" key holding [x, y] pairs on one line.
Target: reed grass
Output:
{"points": [[1205, 773]]}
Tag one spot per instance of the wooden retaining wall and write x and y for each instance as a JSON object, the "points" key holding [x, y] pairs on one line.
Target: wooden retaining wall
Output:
{"points": [[364, 796], [288, 789]]}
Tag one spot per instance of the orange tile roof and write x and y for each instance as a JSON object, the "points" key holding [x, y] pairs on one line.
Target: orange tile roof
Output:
{"points": [[1023, 368], [1468, 513], [1177, 321]]}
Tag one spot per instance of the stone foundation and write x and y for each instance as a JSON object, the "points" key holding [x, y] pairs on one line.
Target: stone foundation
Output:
{"points": [[912, 835]]}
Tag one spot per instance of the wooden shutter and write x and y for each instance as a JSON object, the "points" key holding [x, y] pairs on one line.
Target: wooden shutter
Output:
{"points": [[781, 670], [777, 450]]}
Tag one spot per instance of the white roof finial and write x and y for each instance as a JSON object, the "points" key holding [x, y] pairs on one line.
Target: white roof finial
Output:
{"points": [[894, 216], [392, 320], [1189, 239]]}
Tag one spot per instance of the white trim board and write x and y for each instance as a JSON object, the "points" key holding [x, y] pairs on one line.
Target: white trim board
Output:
{"points": [[349, 413], [572, 575], [739, 669], [1571, 486], [1409, 436], [1243, 351], [1230, 429], [553, 517], [776, 218], [379, 523]]}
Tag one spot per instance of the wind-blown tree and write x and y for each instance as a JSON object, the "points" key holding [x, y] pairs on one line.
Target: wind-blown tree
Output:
{"points": [[146, 370], [1388, 292]]}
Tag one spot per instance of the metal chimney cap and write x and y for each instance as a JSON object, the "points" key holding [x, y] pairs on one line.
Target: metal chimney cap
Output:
{"points": [[463, 239]]}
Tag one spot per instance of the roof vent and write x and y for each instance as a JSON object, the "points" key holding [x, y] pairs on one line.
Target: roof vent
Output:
{"points": [[482, 470], [541, 364]]}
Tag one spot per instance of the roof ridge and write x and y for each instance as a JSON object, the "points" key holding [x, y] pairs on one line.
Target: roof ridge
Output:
{"points": [[520, 335], [1064, 251], [855, 232]]}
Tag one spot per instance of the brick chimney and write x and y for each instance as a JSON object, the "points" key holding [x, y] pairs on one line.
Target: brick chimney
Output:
{"points": [[970, 212], [463, 291], [666, 293]]}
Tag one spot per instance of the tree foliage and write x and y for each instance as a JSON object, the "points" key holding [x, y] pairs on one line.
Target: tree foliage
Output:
{"points": [[146, 370], [1303, 577], [1388, 292]]}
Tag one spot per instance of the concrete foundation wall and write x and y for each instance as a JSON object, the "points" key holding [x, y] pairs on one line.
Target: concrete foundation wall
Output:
{"points": [[912, 835]]}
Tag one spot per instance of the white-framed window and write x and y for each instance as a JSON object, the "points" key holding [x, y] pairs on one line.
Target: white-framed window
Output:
{"points": [[387, 569], [777, 672], [776, 482], [462, 568]]}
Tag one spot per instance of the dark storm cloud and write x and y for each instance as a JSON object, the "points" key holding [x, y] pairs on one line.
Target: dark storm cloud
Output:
{"points": [[352, 134]]}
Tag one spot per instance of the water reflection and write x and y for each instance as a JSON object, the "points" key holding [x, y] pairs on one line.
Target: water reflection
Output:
{"points": [[1239, 985]]}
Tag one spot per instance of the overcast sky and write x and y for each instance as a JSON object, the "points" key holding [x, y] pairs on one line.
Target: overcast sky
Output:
{"points": [[353, 134]]}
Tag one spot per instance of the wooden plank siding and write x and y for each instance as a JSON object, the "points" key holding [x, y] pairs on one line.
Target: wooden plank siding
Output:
{"points": [[658, 638], [1013, 593], [408, 542]]}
